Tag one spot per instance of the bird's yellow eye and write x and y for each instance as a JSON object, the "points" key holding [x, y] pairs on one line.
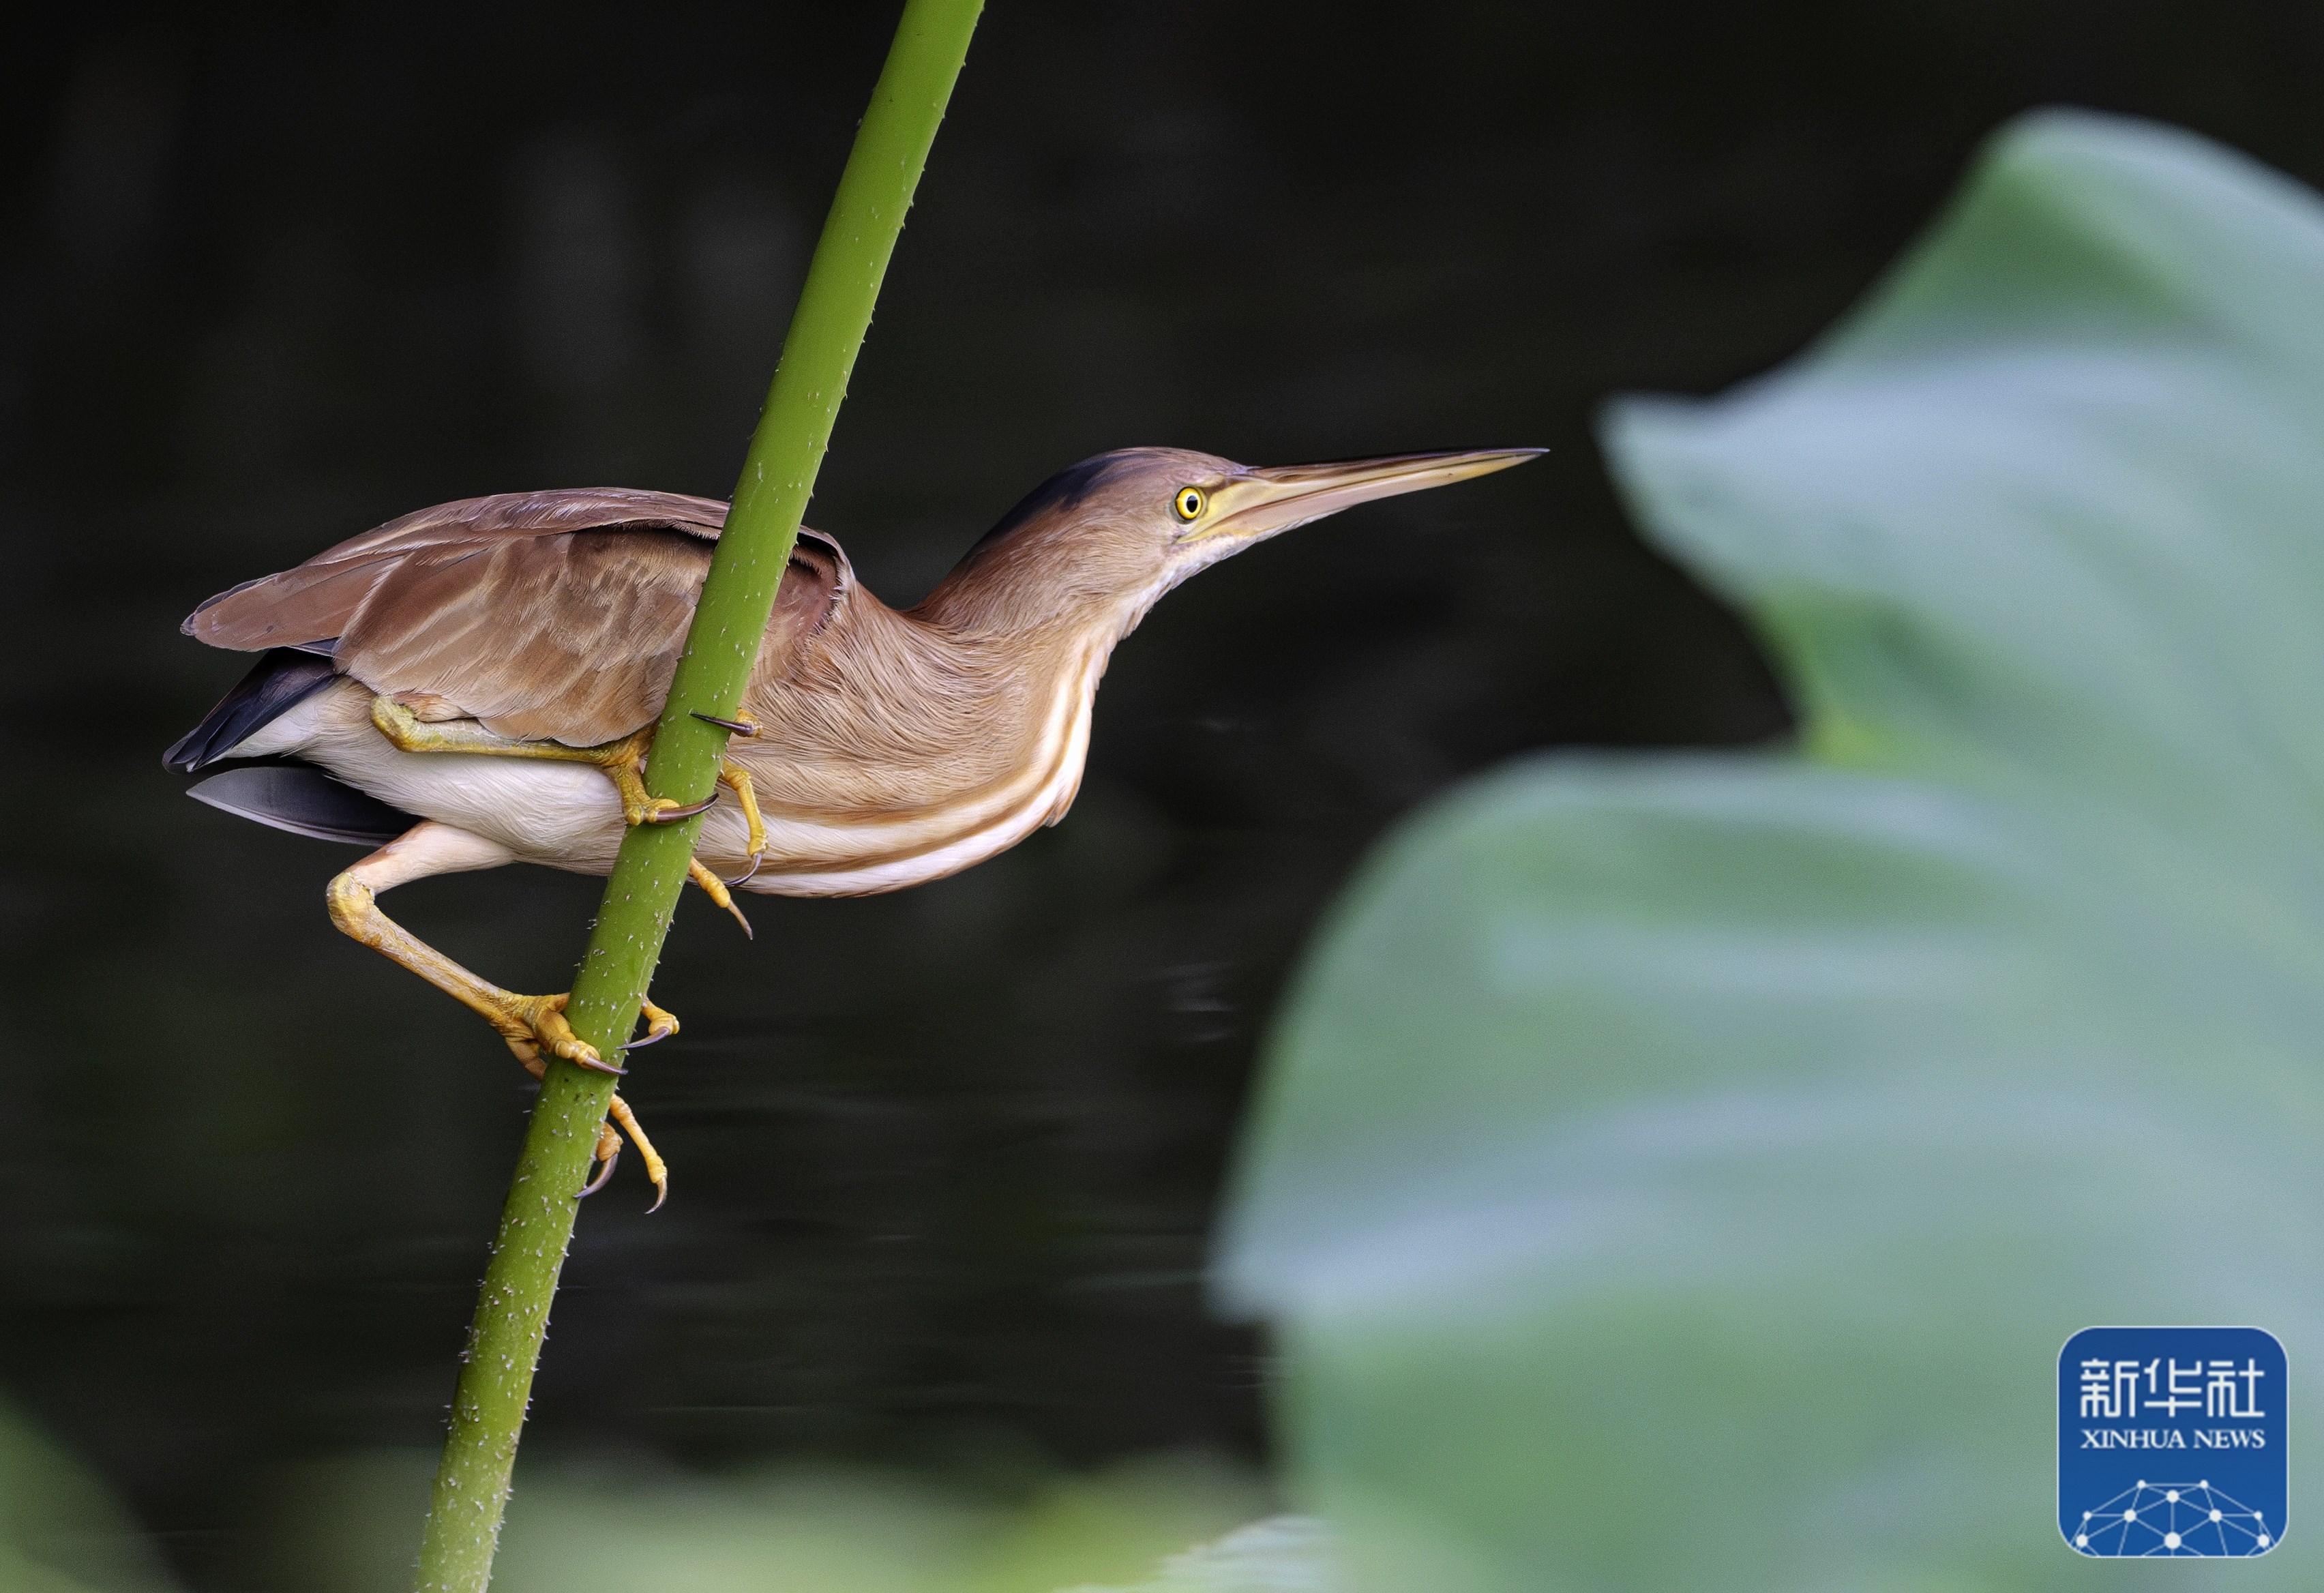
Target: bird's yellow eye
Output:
{"points": [[1190, 502]]}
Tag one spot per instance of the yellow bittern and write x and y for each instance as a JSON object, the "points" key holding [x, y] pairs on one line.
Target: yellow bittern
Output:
{"points": [[480, 681]]}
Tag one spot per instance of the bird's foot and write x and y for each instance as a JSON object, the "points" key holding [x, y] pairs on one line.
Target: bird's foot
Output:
{"points": [[737, 779], [411, 731], [533, 1027], [657, 1170], [662, 810], [715, 888], [534, 1024], [609, 1144], [624, 763], [609, 1153], [660, 1024]]}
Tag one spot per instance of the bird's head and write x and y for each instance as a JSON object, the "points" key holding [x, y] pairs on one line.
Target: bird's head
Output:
{"points": [[1102, 540]]}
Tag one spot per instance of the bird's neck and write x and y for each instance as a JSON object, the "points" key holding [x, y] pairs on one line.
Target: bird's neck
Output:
{"points": [[905, 716], [1002, 601]]}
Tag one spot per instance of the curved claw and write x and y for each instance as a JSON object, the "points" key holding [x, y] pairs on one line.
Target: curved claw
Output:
{"points": [[750, 873], [670, 815], [604, 1172], [652, 1037], [598, 1064], [660, 1023], [741, 727], [716, 890], [661, 1194]]}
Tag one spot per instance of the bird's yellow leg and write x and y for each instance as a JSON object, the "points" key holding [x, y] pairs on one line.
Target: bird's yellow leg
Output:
{"points": [[624, 761], [530, 1025]]}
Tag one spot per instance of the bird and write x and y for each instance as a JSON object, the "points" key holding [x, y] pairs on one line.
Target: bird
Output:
{"points": [[477, 684]]}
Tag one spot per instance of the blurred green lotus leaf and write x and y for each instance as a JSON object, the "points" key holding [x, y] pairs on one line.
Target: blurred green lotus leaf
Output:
{"points": [[1680, 1172], [1281, 1554], [619, 1526], [59, 1530]]}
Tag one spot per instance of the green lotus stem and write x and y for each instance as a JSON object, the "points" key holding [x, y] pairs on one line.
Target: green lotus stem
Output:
{"points": [[835, 310]]}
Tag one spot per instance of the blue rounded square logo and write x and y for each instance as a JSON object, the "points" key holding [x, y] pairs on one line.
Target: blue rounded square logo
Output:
{"points": [[2170, 1442]]}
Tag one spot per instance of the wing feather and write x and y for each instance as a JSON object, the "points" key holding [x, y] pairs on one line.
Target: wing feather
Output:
{"points": [[314, 601], [549, 616]]}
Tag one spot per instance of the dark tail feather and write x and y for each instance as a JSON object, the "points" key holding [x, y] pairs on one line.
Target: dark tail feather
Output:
{"points": [[283, 678], [306, 802]]}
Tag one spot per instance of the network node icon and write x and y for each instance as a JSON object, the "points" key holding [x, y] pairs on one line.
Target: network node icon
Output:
{"points": [[2173, 1520]]}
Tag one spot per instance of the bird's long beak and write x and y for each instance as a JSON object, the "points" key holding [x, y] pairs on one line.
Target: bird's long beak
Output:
{"points": [[1261, 501]]}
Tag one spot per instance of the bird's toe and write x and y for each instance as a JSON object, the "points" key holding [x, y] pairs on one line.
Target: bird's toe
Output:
{"points": [[609, 1152], [534, 1024], [661, 1024], [662, 810]]}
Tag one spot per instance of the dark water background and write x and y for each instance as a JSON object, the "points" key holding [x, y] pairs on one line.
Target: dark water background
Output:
{"points": [[944, 1161]]}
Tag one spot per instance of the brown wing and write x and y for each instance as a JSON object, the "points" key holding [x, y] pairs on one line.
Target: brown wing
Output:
{"points": [[554, 616], [315, 602]]}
